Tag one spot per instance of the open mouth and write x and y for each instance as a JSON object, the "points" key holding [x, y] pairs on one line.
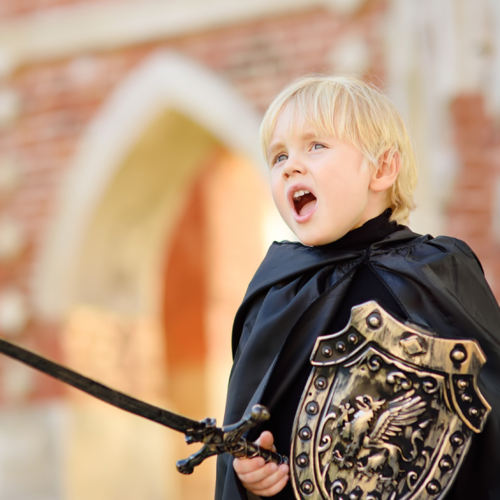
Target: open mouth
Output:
{"points": [[303, 201]]}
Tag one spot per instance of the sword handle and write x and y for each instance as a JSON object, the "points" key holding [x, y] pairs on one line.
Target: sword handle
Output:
{"points": [[252, 450], [239, 447], [244, 449]]}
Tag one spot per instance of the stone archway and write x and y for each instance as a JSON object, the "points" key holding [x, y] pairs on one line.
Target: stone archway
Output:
{"points": [[103, 266], [165, 80], [176, 174]]}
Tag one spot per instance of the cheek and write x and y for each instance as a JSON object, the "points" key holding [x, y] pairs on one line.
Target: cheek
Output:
{"points": [[355, 184], [278, 194]]}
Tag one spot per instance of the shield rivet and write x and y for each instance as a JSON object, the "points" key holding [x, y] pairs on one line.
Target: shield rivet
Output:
{"points": [[305, 433], [356, 494], [433, 487], [302, 460], [353, 339], [340, 346], [374, 320], [459, 354], [473, 412], [462, 384], [457, 439], [446, 463], [307, 487], [327, 351], [320, 383], [466, 398], [312, 408]]}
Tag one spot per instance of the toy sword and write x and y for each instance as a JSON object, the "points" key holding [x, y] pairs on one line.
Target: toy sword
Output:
{"points": [[216, 440]]}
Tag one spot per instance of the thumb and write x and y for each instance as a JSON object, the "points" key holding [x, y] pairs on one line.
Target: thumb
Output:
{"points": [[266, 440]]}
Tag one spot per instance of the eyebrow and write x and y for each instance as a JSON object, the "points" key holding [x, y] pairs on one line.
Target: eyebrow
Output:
{"points": [[310, 135], [274, 146], [278, 145]]}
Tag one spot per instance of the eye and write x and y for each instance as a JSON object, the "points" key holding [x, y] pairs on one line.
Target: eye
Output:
{"points": [[279, 158], [317, 145]]}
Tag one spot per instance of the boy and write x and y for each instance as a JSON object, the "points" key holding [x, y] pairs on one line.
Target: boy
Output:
{"points": [[342, 177]]}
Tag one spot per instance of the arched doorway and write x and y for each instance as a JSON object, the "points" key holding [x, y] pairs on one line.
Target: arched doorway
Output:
{"points": [[181, 200], [175, 180]]}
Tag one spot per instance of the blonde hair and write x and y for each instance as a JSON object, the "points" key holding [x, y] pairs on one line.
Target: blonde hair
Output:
{"points": [[357, 113]]}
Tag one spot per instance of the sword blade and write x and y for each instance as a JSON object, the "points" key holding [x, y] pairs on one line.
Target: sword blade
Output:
{"points": [[100, 391]]}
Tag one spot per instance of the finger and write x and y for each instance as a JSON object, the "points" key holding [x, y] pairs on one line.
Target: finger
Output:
{"points": [[266, 440], [265, 477], [257, 477], [272, 483], [246, 465], [275, 489], [272, 479]]}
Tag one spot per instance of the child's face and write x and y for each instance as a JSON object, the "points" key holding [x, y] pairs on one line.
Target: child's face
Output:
{"points": [[321, 186]]}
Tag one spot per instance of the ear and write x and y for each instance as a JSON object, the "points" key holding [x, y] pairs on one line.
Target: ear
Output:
{"points": [[386, 172]]}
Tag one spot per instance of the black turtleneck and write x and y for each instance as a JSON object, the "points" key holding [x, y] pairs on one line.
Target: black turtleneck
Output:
{"points": [[365, 286]]}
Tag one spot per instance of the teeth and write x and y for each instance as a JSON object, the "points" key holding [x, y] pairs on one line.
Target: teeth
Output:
{"points": [[300, 193]]}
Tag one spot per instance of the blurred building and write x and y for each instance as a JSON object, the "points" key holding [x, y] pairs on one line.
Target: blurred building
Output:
{"points": [[134, 208]]}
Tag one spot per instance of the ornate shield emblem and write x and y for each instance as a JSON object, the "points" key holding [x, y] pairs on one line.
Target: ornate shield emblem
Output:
{"points": [[388, 412]]}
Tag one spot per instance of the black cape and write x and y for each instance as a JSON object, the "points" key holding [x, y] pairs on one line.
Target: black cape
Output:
{"points": [[437, 282]]}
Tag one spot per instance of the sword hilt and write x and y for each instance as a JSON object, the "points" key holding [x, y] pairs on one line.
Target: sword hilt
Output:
{"points": [[229, 439], [252, 450]]}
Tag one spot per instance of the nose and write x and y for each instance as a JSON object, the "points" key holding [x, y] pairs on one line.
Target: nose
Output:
{"points": [[293, 166]]}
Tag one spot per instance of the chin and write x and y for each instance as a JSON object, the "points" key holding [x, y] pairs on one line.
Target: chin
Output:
{"points": [[318, 238], [314, 241]]}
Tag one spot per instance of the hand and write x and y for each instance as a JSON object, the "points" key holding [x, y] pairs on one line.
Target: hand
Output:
{"points": [[262, 479]]}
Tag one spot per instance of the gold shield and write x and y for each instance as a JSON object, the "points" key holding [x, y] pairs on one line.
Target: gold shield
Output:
{"points": [[388, 412]]}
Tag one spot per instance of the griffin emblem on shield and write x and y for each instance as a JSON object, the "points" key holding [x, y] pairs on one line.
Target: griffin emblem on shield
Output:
{"points": [[388, 412]]}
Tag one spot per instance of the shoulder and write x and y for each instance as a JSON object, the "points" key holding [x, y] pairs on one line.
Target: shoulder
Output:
{"points": [[440, 283], [426, 250], [456, 248]]}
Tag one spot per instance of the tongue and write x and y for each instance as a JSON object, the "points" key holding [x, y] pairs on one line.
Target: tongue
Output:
{"points": [[307, 207], [306, 204]]}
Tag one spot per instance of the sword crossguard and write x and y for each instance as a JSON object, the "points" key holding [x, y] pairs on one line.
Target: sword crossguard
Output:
{"points": [[228, 439]]}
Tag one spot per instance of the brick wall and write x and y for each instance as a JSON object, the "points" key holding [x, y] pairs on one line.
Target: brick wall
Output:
{"points": [[17, 8], [470, 213], [59, 99]]}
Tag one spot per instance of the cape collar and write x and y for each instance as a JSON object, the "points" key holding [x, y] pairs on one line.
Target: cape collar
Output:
{"points": [[286, 260]]}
